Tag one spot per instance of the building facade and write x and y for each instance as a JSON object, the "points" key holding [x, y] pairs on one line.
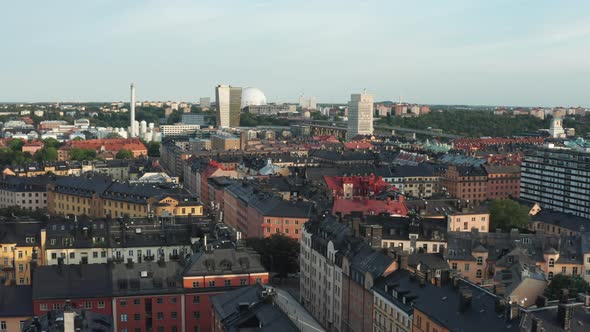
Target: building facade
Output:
{"points": [[557, 179], [360, 115], [228, 102]]}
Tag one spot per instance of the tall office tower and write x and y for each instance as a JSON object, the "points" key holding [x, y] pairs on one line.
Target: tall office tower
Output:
{"points": [[132, 129], [205, 102], [558, 178], [360, 115], [228, 102]]}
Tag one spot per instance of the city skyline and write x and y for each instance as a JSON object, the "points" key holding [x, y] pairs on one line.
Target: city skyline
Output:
{"points": [[460, 52]]}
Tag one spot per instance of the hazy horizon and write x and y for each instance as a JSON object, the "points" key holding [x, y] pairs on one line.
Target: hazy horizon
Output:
{"points": [[456, 52]]}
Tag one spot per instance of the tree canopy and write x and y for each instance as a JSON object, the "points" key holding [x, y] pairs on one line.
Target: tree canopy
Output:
{"points": [[470, 123], [153, 149], [82, 154], [506, 214], [278, 253], [48, 153], [124, 154], [575, 284]]}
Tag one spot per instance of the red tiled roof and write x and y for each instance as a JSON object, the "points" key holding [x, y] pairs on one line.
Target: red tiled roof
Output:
{"points": [[112, 144], [369, 206], [364, 144]]}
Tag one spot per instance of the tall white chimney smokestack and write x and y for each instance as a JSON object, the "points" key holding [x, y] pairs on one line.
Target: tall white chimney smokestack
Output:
{"points": [[132, 129]]}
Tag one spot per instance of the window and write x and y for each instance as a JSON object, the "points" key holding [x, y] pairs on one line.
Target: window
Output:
{"points": [[196, 314], [465, 226], [124, 330], [137, 317], [53, 255], [123, 302], [72, 255], [574, 270], [3, 326], [100, 304], [227, 282], [550, 276], [124, 317], [466, 267], [21, 267], [94, 254], [173, 300], [160, 315], [136, 301], [242, 282], [478, 273], [258, 280], [195, 284], [43, 306], [173, 315], [103, 254], [88, 305], [196, 299], [551, 262], [480, 260], [212, 283], [160, 300], [454, 266], [563, 269]]}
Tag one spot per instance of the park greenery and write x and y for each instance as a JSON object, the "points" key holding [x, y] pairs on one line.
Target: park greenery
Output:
{"points": [[469, 123], [278, 253], [573, 283], [506, 214], [251, 120], [124, 154]]}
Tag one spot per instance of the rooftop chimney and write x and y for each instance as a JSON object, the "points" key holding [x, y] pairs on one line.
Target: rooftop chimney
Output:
{"points": [[465, 299]]}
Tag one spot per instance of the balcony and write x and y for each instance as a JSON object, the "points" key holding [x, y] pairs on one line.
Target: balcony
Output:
{"points": [[174, 257], [149, 258]]}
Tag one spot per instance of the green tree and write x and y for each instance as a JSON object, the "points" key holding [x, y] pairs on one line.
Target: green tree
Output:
{"points": [[113, 135], [46, 154], [506, 214], [51, 142], [82, 154], [278, 253], [124, 154], [153, 149], [16, 144], [575, 284]]}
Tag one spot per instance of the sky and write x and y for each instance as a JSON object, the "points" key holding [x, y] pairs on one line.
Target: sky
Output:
{"points": [[477, 52]]}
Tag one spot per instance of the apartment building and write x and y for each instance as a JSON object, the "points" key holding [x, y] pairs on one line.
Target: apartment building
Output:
{"points": [[25, 193], [21, 249], [558, 178], [124, 241], [466, 182], [415, 181]]}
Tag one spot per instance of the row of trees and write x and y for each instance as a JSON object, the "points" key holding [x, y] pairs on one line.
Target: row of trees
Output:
{"points": [[470, 123]]}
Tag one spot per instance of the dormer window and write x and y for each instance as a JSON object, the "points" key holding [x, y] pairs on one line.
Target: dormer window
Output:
{"points": [[551, 262]]}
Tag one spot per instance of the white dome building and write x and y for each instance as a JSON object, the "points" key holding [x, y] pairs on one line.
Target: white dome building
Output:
{"points": [[252, 96]]}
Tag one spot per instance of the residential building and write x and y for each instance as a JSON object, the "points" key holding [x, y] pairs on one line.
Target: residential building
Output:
{"points": [[558, 179], [108, 145], [21, 249], [215, 272], [179, 129], [324, 287], [224, 141], [415, 181], [32, 147], [448, 306], [15, 307], [360, 115], [228, 100], [148, 296], [368, 206], [101, 241], [205, 102], [83, 285], [355, 187], [466, 182], [271, 109], [258, 307], [503, 182], [98, 196], [23, 192], [203, 120]]}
